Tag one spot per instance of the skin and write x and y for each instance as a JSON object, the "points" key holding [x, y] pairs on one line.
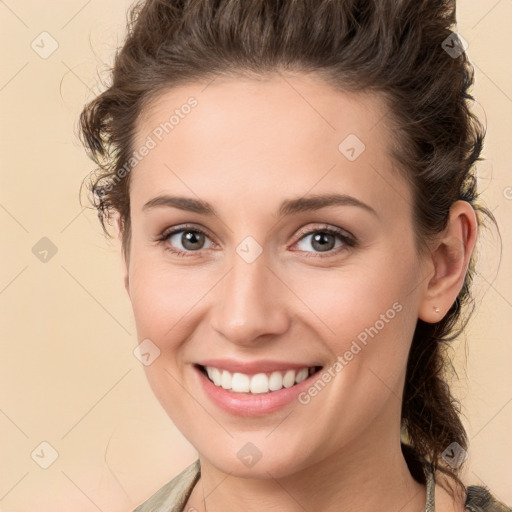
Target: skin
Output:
{"points": [[246, 147]]}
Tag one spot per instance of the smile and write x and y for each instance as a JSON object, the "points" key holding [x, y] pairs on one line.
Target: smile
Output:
{"points": [[258, 383]]}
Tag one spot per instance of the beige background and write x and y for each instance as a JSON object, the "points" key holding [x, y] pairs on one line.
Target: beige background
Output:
{"points": [[68, 374]]}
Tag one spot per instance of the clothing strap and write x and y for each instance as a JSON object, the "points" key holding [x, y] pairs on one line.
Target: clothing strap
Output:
{"points": [[430, 490]]}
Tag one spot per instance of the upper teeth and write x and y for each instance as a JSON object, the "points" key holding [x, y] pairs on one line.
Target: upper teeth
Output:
{"points": [[258, 383]]}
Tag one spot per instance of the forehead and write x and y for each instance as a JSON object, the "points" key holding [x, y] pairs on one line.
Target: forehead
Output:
{"points": [[282, 133], [304, 104]]}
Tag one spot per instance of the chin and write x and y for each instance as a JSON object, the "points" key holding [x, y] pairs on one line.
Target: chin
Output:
{"points": [[253, 456]]}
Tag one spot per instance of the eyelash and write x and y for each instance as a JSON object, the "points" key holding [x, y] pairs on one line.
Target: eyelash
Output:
{"points": [[347, 240], [164, 237]]}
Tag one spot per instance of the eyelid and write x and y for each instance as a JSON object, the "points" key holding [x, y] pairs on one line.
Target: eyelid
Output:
{"points": [[325, 228], [347, 238], [183, 227], [168, 232]]}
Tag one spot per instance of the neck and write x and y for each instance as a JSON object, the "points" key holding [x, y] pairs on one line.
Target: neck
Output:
{"points": [[368, 474]]}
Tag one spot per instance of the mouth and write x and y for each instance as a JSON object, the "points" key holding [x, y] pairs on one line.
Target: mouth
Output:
{"points": [[257, 383]]}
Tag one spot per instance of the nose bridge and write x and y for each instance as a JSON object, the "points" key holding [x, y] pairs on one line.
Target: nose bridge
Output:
{"points": [[248, 305]]}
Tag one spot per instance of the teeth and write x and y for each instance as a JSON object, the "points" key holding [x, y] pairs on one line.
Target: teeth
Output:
{"points": [[226, 380], [240, 383], [289, 379], [216, 376], [275, 382], [302, 375], [258, 383]]}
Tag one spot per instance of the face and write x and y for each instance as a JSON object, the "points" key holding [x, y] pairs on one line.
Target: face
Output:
{"points": [[273, 243]]}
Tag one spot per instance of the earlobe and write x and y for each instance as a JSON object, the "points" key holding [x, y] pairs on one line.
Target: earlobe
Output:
{"points": [[450, 257]]}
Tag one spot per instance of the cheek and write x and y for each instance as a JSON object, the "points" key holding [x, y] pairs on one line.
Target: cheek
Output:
{"points": [[368, 319], [169, 304], [163, 297], [368, 309], [163, 300]]}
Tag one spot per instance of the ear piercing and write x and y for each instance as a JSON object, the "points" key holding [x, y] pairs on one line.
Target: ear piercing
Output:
{"points": [[436, 309]]}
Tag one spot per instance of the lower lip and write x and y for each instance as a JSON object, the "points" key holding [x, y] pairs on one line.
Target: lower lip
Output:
{"points": [[247, 404]]}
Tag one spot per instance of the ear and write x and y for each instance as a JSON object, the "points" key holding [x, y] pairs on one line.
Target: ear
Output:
{"points": [[118, 228], [450, 258]]}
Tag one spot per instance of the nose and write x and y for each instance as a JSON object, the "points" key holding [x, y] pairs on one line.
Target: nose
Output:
{"points": [[251, 304]]}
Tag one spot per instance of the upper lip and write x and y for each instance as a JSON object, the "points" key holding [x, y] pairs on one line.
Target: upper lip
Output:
{"points": [[253, 367]]}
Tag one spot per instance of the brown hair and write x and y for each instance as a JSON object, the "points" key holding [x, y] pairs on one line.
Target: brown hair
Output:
{"points": [[398, 49]]}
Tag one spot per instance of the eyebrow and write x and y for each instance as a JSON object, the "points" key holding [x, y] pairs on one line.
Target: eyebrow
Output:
{"points": [[288, 207]]}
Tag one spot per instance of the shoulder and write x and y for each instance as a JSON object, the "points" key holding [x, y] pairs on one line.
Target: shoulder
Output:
{"points": [[452, 497], [480, 499], [173, 496]]}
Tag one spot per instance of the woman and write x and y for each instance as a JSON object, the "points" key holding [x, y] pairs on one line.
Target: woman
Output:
{"points": [[293, 185]]}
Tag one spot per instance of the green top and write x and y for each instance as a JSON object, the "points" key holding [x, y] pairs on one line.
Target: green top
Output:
{"points": [[173, 496]]}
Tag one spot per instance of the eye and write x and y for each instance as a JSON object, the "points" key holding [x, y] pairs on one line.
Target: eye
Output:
{"points": [[184, 240], [325, 240]]}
